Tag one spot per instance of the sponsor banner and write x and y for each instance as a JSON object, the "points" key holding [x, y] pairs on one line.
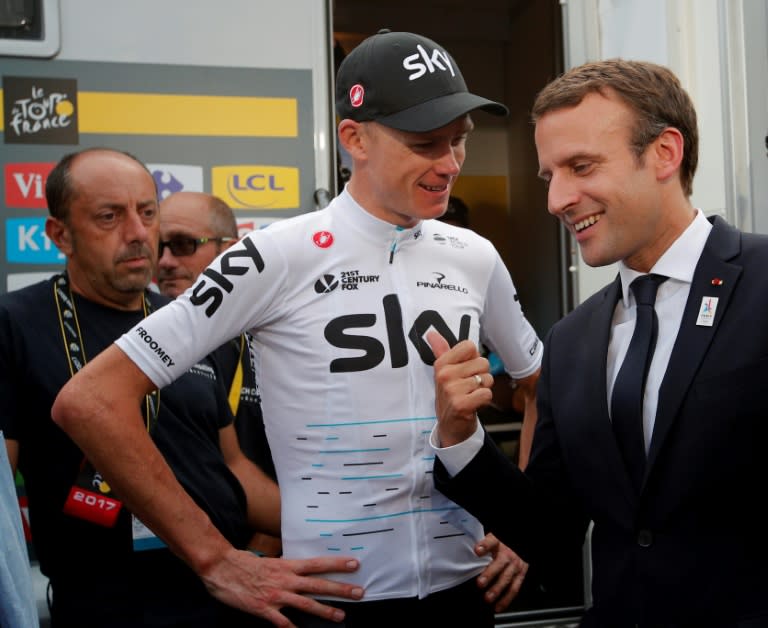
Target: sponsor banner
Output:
{"points": [[176, 124], [171, 178], [123, 113], [25, 184], [246, 225], [256, 187], [126, 113], [15, 281], [27, 243], [40, 110]]}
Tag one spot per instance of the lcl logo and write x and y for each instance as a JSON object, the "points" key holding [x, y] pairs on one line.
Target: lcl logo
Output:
{"points": [[257, 187]]}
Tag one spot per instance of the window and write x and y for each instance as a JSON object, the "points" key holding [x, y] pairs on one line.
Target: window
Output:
{"points": [[29, 28]]}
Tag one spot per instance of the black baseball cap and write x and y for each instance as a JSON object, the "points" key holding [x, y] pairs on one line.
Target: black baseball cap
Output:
{"points": [[407, 82]]}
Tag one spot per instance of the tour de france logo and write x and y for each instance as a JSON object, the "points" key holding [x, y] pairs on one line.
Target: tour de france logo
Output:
{"points": [[40, 110]]}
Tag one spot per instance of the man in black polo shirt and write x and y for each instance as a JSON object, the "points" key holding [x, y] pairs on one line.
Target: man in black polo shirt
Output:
{"points": [[106, 569]]}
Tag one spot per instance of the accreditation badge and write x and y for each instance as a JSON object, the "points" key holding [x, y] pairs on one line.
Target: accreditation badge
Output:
{"points": [[143, 537], [91, 499]]}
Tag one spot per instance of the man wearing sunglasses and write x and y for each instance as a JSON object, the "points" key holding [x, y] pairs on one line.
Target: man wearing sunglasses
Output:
{"points": [[187, 247], [194, 228]]}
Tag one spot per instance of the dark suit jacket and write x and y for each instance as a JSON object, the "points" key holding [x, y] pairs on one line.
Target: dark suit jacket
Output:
{"points": [[692, 548]]}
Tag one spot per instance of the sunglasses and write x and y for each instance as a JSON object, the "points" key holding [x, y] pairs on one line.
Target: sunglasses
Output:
{"points": [[182, 246]]}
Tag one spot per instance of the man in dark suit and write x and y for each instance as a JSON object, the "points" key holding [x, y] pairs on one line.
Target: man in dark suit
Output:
{"points": [[679, 535]]}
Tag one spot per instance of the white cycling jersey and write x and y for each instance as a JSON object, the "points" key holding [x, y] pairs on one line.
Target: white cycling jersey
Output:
{"points": [[338, 303]]}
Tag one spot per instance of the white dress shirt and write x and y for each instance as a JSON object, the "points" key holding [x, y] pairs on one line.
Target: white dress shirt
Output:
{"points": [[678, 263]]}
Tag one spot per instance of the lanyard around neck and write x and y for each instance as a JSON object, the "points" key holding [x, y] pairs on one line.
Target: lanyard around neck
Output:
{"points": [[73, 340], [236, 386]]}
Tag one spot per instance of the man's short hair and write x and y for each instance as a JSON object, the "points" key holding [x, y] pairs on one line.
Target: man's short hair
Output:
{"points": [[59, 188], [652, 91], [222, 222]]}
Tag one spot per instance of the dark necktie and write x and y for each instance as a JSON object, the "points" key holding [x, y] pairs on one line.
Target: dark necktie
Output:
{"points": [[627, 398]]}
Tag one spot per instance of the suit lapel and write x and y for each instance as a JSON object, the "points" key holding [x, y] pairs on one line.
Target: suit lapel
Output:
{"points": [[693, 340], [595, 361]]}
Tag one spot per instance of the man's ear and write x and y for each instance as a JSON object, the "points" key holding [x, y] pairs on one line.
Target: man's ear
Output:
{"points": [[352, 137], [58, 233], [668, 150]]}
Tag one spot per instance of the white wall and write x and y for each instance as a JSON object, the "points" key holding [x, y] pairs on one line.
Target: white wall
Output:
{"points": [[681, 34], [291, 34], [744, 48]]}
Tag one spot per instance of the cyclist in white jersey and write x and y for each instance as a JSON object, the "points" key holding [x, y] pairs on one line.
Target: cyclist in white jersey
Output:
{"points": [[338, 302]]}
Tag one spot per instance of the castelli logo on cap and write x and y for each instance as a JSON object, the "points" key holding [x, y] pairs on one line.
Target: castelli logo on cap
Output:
{"points": [[323, 239], [356, 95]]}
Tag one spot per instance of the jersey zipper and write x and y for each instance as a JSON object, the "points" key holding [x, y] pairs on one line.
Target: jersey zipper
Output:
{"points": [[393, 247]]}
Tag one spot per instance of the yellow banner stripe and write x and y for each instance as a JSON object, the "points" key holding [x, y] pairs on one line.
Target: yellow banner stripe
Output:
{"points": [[123, 113]]}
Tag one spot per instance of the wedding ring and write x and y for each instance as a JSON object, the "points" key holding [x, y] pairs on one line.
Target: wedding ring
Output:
{"points": [[478, 379]]}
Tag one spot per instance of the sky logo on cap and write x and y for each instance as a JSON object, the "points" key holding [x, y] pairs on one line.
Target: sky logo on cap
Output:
{"points": [[430, 63], [356, 95]]}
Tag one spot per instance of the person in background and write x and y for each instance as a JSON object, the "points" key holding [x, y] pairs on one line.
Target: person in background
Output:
{"points": [[338, 302], [195, 227], [17, 600], [663, 450], [507, 396], [105, 568], [456, 213]]}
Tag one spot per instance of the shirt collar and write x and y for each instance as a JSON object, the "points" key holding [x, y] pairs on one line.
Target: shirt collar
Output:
{"points": [[372, 228], [679, 261]]}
